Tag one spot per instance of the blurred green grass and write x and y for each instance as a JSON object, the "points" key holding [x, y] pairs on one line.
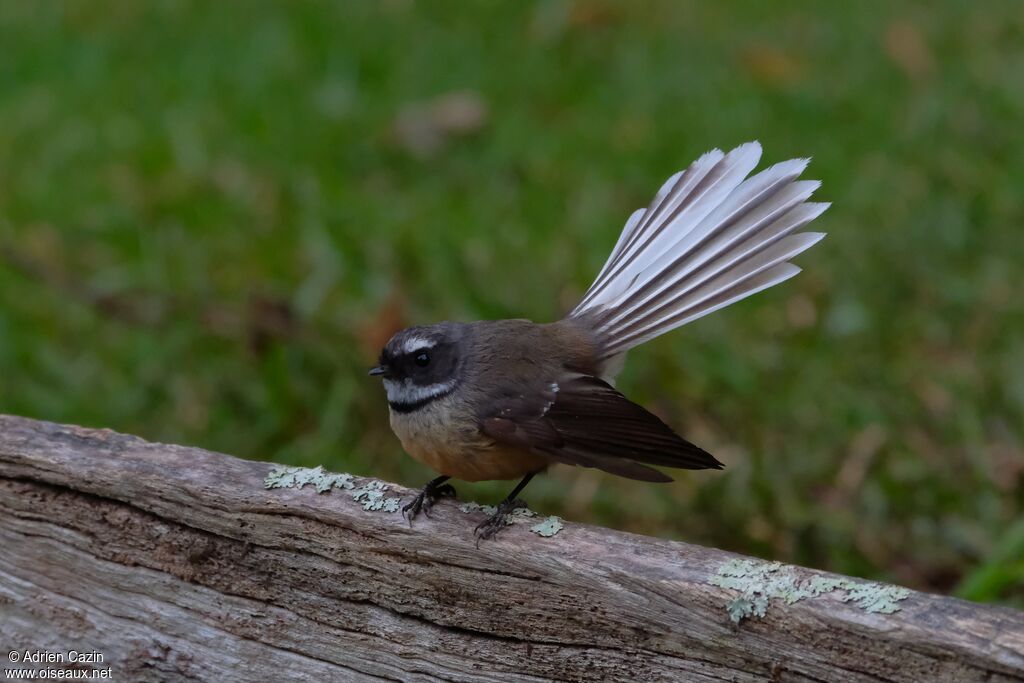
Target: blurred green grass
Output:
{"points": [[211, 214]]}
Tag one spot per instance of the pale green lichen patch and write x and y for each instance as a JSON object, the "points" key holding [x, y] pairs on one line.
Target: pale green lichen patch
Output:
{"points": [[284, 477], [370, 494], [477, 507], [761, 582], [547, 527], [742, 608], [877, 598], [519, 515]]}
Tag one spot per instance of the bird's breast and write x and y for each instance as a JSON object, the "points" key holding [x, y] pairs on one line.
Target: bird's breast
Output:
{"points": [[447, 440]]}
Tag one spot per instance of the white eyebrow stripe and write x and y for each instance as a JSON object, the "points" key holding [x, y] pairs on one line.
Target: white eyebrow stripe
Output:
{"points": [[416, 343]]}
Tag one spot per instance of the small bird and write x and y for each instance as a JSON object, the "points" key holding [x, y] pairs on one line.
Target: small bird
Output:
{"points": [[505, 399]]}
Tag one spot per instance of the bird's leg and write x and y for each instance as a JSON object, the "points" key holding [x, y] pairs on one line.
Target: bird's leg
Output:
{"points": [[499, 520], [425, 499]]}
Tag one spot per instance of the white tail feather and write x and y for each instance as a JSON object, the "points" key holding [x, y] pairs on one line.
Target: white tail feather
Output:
{"points": [[710, 237]]}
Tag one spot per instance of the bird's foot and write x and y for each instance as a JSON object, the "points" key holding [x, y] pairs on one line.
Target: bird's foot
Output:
{"points": [[497, 521], [425, 500]]}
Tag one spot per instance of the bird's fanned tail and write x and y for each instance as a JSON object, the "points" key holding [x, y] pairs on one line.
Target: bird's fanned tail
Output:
{"points": [[710, 237]]}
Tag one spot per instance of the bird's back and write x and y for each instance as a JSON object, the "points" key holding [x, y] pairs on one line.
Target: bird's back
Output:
{"points": [[515, 356]]}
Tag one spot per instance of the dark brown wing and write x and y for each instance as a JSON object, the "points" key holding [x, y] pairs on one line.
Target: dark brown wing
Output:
{"points": [[586, 422]]}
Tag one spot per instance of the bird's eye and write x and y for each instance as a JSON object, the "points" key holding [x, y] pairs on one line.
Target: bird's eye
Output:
{"points": [[422, 359]]}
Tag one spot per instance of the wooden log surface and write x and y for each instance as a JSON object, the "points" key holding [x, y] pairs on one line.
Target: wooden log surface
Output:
{"points": [[177, 563]]}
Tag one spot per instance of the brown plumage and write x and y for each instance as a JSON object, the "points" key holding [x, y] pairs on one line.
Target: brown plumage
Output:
{"points": [[505, 399], [532, 395]]}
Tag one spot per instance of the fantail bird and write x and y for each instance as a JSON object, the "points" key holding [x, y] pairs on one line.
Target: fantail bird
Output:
{"points": [[505, 399]]}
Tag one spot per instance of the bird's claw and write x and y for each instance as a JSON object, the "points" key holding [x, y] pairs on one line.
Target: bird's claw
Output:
{"points": [[498, 520], [425, 500]]}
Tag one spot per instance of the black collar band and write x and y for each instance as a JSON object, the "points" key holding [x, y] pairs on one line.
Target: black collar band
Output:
{"points": [[404, 408]]}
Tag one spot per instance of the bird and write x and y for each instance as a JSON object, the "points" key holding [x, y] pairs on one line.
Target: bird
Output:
{"points": [[506, 399]]}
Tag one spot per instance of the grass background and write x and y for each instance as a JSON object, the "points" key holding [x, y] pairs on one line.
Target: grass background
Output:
{"points": [[213, 214]]}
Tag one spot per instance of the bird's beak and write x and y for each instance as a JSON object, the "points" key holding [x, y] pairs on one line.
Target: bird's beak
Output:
{"points": [[380, 370]]}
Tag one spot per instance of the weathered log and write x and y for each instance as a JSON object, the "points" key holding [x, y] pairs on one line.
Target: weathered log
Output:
{"points": [[177, 563]]}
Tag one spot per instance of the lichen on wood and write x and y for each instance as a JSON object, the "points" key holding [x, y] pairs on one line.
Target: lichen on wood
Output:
{"points": [[547, 527], [761, 582], [285, 477], [370, 495]]}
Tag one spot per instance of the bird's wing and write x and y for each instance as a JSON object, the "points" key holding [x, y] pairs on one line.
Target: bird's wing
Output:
{"points": [[582, 420]]}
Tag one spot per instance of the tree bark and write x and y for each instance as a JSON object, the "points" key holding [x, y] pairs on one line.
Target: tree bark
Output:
{"points": [[177, 563]]}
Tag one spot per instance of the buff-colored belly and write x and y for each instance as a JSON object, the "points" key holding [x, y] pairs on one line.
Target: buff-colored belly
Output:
{"points": [[459, 450]]}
